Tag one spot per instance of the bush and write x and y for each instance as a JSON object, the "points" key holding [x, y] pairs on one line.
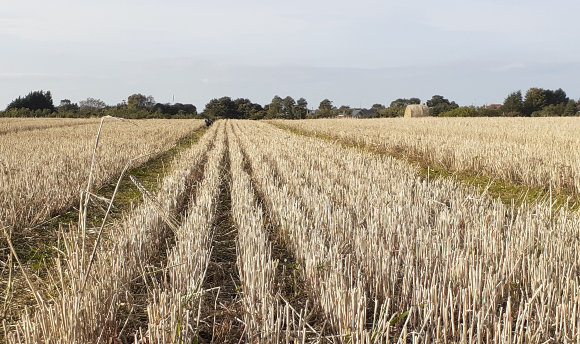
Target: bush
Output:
{"points": [[392, 111], [462, 111], [551, 110]]}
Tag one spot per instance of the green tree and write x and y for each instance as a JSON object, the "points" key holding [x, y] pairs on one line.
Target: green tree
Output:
{"points": [[571, 108], [223, 107], [325, 105], [35, 100], [247, 109], [301, 108], [513, 103], [288, 105], [556, 97], [276, 107], [325, 109], [139, 101], [551, 110], [535, 100], [438, 104], [403, 102], [67, 106], [176, 110]]}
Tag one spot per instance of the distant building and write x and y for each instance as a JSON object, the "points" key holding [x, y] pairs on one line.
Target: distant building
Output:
{"points": [[492, 106], [361, 113]]}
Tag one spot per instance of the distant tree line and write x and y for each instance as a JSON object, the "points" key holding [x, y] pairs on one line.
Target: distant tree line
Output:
{"points": [[539, 102], [287, 107], [535, 102], [40, 104]]}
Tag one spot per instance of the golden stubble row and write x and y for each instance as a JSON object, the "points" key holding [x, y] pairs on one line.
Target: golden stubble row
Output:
{"points": [[126, 257], [268, 318], [19, 124], [174, 310], [377, 242], [43, 171], [334, 285], [540, 152]]}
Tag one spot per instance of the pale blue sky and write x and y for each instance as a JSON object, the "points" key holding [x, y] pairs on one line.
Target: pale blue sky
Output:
{"points": [[352, 52]]}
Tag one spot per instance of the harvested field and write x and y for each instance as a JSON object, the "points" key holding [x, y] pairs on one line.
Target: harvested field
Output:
{"points": [[44, 164], [259, 235], [540, 152]]}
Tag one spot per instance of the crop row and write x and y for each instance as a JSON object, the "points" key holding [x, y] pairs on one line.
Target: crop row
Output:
{"points": [[42, 172], [13, 125], [539, 152], [387, 252], [94, 290], [383, 255]]}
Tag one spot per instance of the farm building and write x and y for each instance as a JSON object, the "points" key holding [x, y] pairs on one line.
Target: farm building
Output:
{"points": [[361, 113], [416, 110]]}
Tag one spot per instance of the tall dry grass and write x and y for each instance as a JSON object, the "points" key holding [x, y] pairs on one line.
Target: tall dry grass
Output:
{"points": [[389, 255], [540, 152], [125, 265], [42, 171]]}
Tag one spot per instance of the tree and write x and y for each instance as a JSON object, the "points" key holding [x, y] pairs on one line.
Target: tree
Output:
{"points": [[325, 109], [513, 103], [35, 100], [344, 110], [438, 104], [556, 97], [288, 105], [276, 107], [301, 108], [177, 109], [223, 107], [325, 105], [403, 102], [247, 109], [139, 101], [535, 100], [437, 100], [67, 106], [92, 104], [571, 108]]}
